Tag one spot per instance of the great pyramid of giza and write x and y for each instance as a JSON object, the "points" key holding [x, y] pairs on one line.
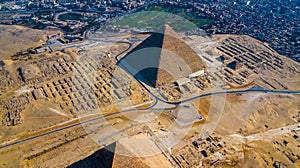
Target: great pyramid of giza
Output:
{"points": [[161, 58]]}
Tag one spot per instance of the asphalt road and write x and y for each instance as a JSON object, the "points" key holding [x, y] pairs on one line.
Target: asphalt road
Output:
{"points": [[252, 90]]}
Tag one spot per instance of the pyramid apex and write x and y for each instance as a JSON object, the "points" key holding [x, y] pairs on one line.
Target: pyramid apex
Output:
{"points": [[169, 31], [162, 58]]}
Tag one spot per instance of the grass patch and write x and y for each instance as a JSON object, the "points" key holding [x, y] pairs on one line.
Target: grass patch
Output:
{"points": [[155, 17], [155, 21]]}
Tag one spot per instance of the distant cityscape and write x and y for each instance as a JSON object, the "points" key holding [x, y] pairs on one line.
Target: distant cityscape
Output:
{"points": [[149, 83], [276, 22]]}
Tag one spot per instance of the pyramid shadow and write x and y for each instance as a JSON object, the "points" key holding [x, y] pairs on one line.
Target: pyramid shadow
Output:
{"points": [[160, 59], [143, 61], [102, 158]]}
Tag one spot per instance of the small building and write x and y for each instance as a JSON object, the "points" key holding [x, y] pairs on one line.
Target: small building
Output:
{"points": [[196, 74], [29, 72], [42, 49], [37, 94], [182, 81]]}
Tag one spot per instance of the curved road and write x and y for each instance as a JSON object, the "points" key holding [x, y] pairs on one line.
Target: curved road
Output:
{"points": [[143, 109], [202, 95]]}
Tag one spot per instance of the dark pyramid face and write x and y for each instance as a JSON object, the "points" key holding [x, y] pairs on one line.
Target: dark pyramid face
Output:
{"points": [[101, 158], [143, 61], [161, 59]]}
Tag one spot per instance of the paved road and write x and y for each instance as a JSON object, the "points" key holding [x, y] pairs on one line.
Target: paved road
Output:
{"points": [[253, 89], [152, 107], [143, 109]]}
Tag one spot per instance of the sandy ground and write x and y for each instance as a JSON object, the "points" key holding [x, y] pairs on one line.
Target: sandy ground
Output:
{"points": [[36, 117], [242, 123], [17, 38]]}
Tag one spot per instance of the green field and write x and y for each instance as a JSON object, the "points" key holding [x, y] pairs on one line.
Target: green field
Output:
{"points": [[155, 21], [155, 17], [200, 22]]}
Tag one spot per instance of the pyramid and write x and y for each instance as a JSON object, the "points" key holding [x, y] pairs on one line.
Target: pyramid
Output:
{"points": [[125, 158], [104, 157], [161, 58]]}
